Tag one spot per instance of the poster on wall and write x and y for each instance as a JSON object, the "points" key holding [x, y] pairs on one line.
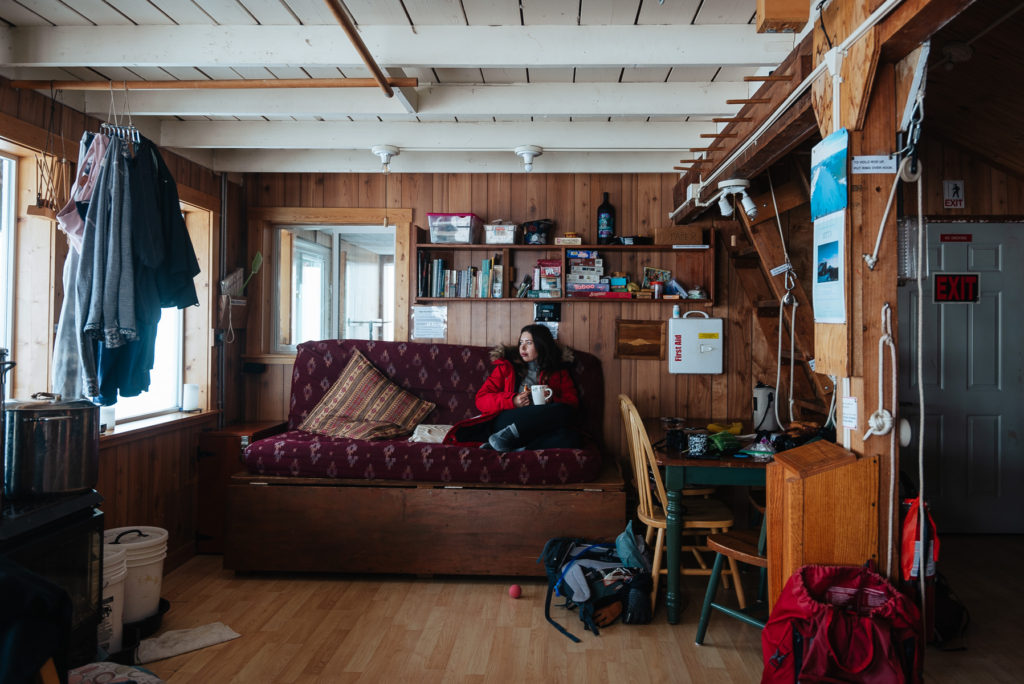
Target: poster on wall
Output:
{"points": [[829, 288], [828, 174], [429, 322]]}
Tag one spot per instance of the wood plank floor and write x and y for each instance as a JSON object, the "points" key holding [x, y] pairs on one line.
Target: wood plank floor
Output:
{"points": [[395, 629]]}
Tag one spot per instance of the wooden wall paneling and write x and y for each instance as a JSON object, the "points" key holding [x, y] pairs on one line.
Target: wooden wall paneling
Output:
{"points": [[235, 256], [878, 286], [311, 189], [997, 191], [739, 344], [149, 477], [720, 383], [268, 190], [649, 210], [460, 326], [626, 207], [584, 212], [417, 193], [339, 191], [499, 198], [371, 189], [537, 198], [478, 197], [560, 185]]}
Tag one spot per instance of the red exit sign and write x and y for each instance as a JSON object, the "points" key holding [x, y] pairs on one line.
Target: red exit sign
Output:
{"points": [[957, 287]]}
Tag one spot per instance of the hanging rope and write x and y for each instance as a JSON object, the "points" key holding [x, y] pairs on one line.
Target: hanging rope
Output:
{"points": [[881, 421], [906, 175], [920, 397], [908, 172], [789, 282]]}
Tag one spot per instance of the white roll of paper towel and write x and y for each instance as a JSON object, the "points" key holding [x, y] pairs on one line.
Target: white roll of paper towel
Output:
{"points": [[190, 397]]}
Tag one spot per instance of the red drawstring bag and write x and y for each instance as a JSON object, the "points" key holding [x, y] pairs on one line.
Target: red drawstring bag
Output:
{"points": [[842, 624], [912, 537]]}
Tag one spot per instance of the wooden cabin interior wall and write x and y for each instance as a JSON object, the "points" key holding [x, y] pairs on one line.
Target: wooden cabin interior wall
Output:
{"points": [[990, 191], [642, 201], [149, 477]]}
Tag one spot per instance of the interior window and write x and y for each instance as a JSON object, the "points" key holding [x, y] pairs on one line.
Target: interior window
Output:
{"points": [[311, 286], [310, 260]]}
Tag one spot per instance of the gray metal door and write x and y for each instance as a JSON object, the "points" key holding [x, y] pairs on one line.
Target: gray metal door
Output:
{"points": [[973, 379]]}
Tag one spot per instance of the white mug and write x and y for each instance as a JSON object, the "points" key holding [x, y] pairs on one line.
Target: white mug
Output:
{"points": [[541, 394]]}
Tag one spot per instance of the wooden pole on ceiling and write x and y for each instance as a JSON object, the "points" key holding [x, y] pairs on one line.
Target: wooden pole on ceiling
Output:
{"points": [[222, 84], [340, 13]]}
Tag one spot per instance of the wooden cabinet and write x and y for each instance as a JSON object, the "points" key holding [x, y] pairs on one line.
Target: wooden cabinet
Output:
{"points": [[822, 508], [219, 457], [691, 268]]}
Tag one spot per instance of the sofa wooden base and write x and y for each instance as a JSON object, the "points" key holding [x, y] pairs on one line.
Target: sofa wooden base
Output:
{"points": [[358, 526]]}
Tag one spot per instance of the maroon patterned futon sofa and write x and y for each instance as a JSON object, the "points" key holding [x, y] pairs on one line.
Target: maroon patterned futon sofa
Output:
{"points": [[314, 503]]}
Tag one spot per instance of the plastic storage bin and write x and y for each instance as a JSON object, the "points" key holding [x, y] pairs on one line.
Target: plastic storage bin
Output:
{"points": [[462, 229], [500, 233]]}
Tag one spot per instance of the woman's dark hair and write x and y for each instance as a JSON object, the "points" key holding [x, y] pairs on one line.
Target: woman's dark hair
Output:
{"points": [[549, 357]]}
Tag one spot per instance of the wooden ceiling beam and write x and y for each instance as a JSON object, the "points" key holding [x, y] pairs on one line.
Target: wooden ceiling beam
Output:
{"points": [[913, 22], [216, 84]]}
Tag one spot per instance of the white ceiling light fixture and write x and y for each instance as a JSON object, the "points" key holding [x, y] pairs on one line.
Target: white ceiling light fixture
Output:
{"points": [[736, 186], [528, 153], [385, 152]]}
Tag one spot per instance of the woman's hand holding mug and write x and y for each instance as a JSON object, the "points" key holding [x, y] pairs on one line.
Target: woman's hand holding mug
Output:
{"points": [[541, 394]]}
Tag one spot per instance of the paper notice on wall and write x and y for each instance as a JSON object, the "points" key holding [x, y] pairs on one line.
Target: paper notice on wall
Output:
{"points": [[429, 322], [849, 413], [828, 288]]}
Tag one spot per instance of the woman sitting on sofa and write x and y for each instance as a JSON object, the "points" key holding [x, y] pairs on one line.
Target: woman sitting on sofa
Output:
{"points": [[510, 419]]}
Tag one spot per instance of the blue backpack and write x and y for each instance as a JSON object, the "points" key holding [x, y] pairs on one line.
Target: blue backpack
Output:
{"points": [[592, 578]]}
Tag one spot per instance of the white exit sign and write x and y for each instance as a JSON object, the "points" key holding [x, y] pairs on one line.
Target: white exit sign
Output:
{"points": [[953, 194]]}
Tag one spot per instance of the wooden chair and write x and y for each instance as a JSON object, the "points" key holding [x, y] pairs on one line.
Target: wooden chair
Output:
{"points": [[738, 546], [702, 515]]}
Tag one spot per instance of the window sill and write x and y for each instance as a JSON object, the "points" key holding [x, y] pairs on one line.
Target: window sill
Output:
{"points": [[149, 427]]}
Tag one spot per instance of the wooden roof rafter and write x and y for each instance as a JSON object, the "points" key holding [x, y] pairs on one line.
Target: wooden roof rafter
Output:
{"points": [[791, 128]]}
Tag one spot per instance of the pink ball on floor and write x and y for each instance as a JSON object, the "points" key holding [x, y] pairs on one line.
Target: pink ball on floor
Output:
{"points": [[515, 591]]}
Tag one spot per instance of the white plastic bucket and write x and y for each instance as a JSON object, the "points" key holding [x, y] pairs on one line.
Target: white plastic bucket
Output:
{"points": [[109, 632], [145, 550]]}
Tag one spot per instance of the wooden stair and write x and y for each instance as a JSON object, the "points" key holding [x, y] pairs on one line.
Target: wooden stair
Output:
{"points": [[753, 263]]}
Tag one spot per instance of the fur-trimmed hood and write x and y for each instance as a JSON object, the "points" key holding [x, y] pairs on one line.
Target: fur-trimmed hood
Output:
{"points": [[511, 354]]}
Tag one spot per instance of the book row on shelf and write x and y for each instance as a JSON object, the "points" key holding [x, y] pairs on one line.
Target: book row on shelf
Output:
{"points": [[435, 279], [582, 275]]}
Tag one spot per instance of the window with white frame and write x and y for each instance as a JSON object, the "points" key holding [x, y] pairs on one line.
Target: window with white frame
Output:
{"points": [[165, 380], [8, 168]]}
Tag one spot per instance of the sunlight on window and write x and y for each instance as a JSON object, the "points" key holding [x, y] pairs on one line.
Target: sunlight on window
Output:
{"points": [[311, 320], [164, 393], [7, 193]]}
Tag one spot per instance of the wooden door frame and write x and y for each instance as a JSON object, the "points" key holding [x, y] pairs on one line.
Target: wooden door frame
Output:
{"points": [[264, 221]]}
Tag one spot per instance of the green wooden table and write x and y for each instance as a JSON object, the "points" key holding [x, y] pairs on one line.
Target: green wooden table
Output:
{"points": [[681, 471]]}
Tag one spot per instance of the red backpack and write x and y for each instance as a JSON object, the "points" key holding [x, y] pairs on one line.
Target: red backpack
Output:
{"points": [[842, 624]]}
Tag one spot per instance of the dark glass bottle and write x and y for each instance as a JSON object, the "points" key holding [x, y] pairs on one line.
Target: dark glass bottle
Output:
{"points": [[605, 222]]}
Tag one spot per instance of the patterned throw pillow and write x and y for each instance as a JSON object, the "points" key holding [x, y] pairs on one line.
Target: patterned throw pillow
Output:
{"points": [[364, 404]]}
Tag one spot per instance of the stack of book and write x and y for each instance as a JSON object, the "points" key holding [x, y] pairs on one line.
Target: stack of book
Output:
{"points": [[586, 274]]}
